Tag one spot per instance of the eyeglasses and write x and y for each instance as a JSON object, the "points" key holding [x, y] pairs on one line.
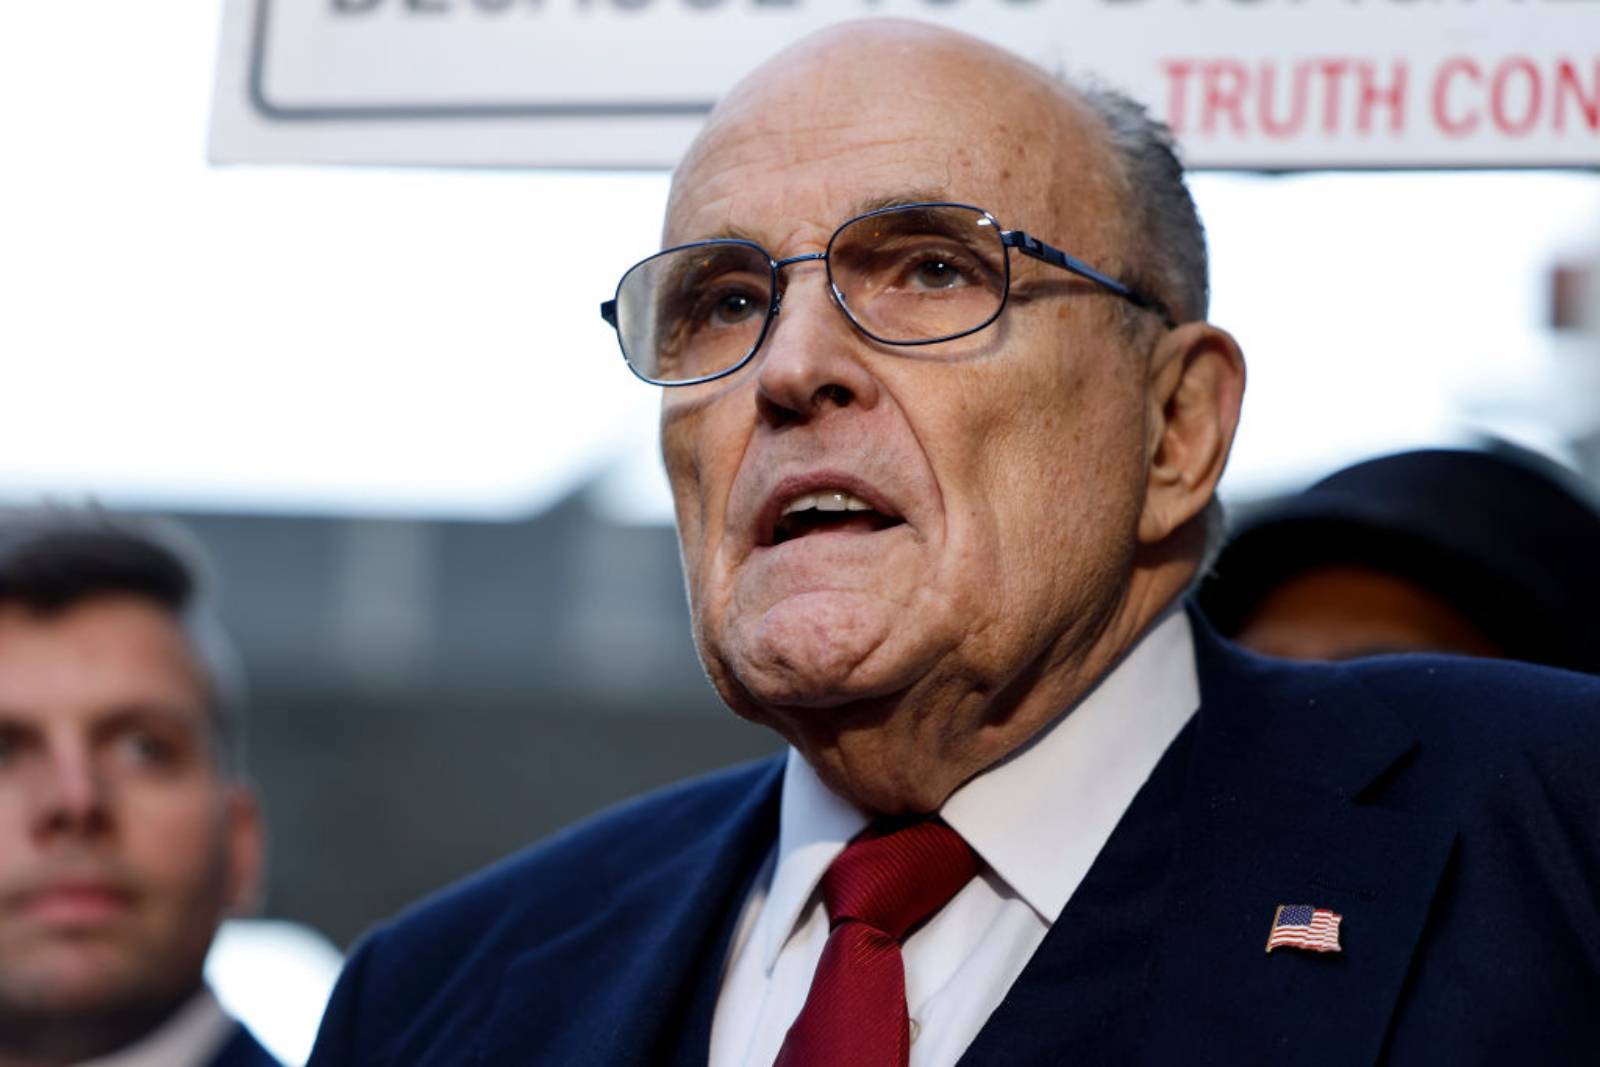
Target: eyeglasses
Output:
{"points": [[912, 274]]}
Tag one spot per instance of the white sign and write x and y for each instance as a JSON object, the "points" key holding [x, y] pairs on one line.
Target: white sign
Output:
{"points": [[625, 83]]}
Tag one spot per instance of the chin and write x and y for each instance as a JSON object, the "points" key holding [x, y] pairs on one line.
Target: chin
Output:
{"points": [[814, 650], [755, 690], [81, 978]]}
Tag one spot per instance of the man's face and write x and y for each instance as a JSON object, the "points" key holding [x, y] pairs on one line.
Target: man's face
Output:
{"points": [[1007, 468], [121, 844], [1345, 611]]}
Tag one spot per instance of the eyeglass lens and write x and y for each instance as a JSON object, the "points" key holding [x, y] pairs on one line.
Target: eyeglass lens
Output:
{"points": [[919, 274], [692, 312], [905, 276]]}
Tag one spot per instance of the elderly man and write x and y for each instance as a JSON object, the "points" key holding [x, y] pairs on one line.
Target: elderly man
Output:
{"points": [[943, 420], [126, 833]]}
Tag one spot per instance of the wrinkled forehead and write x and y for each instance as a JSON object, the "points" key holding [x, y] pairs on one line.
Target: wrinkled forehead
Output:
{"points": [[871, 113]]}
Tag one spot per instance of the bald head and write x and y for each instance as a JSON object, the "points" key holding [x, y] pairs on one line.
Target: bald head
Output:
{"points": [[1092, 154]]}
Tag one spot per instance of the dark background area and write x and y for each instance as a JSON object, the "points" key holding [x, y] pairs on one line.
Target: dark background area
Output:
{"points": [[429, 696]]}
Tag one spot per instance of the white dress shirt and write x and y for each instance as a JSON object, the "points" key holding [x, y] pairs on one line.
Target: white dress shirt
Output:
{"points": [[1037, 820], [190, 1038]]}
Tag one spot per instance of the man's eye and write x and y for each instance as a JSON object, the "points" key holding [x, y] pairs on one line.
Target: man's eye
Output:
{"points": [[936, 273], [930, 268], [148, 749], [730, 309], [15, 744]]}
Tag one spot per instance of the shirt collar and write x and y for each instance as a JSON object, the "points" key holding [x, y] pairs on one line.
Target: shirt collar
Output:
{"points": [[1040, 817], [1089, 762], [814, 825]]}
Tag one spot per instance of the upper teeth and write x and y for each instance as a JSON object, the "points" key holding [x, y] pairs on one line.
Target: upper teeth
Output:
{"points": [[827, 500]]}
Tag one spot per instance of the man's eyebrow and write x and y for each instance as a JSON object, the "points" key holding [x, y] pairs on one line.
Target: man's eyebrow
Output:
{"points": [[734, 232], [136, 711], [731, 232], [917, 196]]}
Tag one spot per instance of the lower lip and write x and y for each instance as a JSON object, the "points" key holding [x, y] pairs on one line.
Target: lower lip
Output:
{"points": [[77, 907], [845, 527], [845, 546]]}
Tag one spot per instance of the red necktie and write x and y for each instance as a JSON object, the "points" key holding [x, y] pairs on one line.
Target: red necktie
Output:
{"points": [[880, 887]]}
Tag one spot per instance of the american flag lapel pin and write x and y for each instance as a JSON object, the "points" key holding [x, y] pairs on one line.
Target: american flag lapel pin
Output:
{"points": [[1305, 926]]}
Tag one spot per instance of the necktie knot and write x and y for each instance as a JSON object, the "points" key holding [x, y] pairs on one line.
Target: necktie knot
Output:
{"points": [[893, 881]]}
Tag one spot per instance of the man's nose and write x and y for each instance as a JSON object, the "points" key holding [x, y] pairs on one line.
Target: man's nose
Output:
{"points": [[809, 363], [71, 796]]}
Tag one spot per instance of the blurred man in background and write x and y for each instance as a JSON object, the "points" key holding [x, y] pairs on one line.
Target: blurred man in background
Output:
{"points": [[126, 830], [1475, 553], [937, 520]]}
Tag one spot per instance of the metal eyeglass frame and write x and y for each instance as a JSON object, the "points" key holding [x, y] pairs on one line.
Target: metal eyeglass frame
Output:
{"points": [[1023, 242]]}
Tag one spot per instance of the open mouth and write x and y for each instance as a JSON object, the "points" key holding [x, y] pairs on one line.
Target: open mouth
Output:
{"points": [[829, 511]]}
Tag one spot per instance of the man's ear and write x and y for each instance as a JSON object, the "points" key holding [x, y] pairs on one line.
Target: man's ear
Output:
{"points": [[1196, 385], [246, 835]]}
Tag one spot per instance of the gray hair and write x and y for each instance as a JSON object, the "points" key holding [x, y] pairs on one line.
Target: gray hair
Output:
{"points": [[1167, 257], [1167, 254]]}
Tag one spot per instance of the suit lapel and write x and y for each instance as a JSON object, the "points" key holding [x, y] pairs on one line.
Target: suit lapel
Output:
{"points": [[1278, 811], [638, 983], [1266, 799], [1082, 995]]}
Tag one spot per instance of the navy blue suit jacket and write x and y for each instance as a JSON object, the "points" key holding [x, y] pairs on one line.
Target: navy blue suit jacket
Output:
{"points": [[1448, 809], [243, 1050]]}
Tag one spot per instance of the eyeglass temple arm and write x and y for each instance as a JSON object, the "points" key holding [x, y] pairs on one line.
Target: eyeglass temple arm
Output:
{"points": [[1034, 248], [608, 311]]}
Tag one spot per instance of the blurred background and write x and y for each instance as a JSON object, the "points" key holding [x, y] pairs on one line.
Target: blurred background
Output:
{"points": [[384, 402]]}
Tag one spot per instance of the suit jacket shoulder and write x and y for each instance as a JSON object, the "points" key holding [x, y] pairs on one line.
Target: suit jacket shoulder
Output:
{"points": [[591, 902], [1492, 713], [1483, 737]]}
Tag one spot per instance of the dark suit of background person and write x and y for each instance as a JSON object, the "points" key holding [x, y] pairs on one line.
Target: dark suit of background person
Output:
{"points": [[127, 831], [1039, 491]]}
